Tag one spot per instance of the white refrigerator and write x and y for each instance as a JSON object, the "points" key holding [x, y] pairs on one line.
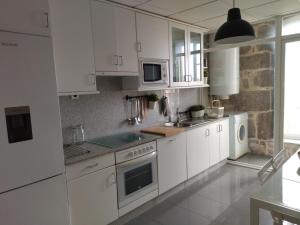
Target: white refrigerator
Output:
{"points": [[32, 181]]}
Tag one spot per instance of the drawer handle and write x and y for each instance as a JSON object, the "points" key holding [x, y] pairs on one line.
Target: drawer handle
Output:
{"points": [[92, 166], [172, 140], [112, 179]]}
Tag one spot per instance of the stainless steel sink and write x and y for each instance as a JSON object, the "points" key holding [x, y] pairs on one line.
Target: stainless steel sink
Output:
{"points": [[194, 122]]}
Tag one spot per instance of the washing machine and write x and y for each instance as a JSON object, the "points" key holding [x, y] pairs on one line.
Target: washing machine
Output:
{"points": [[238, 134]]}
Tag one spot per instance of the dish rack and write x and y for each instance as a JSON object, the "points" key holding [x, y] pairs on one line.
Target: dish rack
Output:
{"points": [[216, 110]]}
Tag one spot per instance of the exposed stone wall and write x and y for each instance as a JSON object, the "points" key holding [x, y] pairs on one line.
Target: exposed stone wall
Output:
{"points": [[257, 91]]}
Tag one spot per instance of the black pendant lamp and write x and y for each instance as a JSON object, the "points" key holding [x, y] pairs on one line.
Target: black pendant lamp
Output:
{"points": [[235, 29]]}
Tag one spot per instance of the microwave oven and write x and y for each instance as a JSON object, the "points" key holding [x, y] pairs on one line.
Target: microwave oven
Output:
{"points": [[154, 72]]}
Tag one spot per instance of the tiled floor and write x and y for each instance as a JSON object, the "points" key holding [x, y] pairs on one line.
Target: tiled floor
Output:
{"points": [[220, 198]]}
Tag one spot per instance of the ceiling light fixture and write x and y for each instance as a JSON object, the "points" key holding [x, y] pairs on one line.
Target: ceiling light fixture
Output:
{"points": [[235, 29]]}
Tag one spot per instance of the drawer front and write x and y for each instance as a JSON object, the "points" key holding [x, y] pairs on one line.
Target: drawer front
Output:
{"points": [[89, 166]]}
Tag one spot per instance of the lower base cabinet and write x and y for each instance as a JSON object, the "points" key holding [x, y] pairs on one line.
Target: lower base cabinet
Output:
{"points": [[93, 198], [171, 158], [197, 150]]}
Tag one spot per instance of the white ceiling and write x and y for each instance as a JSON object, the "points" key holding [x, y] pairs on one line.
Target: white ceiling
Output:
{"points": [[212, 13]]}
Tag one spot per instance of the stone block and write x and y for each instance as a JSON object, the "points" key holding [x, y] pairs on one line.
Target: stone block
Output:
{"points": [[264, 78], [255, 100], [265, 125], [245, 50], [251, 128], [266, 47], [257, 147], [256, 61]]}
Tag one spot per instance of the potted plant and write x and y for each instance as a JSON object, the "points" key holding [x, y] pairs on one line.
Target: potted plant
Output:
{"points": [[152, 100], [205, 76], [197, 111]]}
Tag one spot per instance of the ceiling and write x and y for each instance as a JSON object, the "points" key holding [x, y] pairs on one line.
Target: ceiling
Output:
{"points": [[213, 13]]}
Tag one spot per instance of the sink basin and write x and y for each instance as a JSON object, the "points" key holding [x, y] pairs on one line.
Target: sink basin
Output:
{"points": [[194, 122]]}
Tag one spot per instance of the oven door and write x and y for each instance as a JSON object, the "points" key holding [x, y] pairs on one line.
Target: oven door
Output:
{"points": [[136, 178]]}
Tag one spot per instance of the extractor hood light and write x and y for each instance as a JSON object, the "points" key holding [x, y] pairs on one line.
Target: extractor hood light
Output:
{"points": [[235, 29]]}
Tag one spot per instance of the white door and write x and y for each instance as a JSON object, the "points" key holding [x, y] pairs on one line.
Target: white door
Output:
{"points": [[224, 139], [44, 203], [27, 79], [126, 40], [152, 37], [171, 162], [197, 150], [195, 57], [214, 144], [178, 55], [30, 16], [73, 46], [105, 36], [93, 198]]}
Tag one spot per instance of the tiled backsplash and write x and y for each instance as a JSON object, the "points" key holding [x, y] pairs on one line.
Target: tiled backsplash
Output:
{"points": [[105, 113]]}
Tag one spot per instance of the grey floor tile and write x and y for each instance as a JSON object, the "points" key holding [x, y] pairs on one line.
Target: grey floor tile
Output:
{"points": [[219, 198]]}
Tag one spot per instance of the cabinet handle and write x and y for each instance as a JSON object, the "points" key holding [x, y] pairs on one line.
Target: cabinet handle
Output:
{"points": [[116, 60], [221, 128], [121, 60], [139, 46], [92, 79], [174, 139], [46, 14], [185, 76], [207, 132], [91, 166], [112, 178]]}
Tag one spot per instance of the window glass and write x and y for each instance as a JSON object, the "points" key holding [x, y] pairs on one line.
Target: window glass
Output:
{"points": [[291, 24]]}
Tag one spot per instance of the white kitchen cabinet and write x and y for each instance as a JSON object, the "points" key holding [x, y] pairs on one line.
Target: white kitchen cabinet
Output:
{"points": [[224, 139], [218, 141], [152, 37], [171, 158], [186, 53], [214, 144], [114, 35], [197, 150], [93, 198], [30, 16], [73, 46]]}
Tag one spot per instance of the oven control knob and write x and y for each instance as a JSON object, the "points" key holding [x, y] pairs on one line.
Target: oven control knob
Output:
{"points": [[151, 147], [135, 153], [148, 148]]}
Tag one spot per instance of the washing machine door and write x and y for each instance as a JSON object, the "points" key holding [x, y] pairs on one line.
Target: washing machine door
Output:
{"points": [[241, 133]]}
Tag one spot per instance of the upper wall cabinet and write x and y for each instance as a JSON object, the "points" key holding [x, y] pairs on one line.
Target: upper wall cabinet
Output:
{"points": [[30, 16], [186, 54], [114, 34], [73, 46], [152, 37]]}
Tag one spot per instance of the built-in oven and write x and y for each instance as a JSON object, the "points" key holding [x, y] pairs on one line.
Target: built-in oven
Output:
{"points": [[137, 180], [154, 72]]}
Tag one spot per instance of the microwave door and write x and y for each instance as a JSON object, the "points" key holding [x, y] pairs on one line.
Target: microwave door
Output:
{"points": [[152, 73]]}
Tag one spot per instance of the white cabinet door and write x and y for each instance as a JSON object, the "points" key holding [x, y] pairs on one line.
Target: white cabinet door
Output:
{"points": [[114, 40], [42, 203], [105, 36], [30, 16], [197, 150], [224, 139], [73, 46], [93, 198], [214, 144], [152, 37], [171, 161]]}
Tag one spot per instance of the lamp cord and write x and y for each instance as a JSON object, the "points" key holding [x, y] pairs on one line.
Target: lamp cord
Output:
{"points": [[233, 3]]}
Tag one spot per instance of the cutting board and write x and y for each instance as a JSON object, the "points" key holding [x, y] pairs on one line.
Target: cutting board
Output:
{"points": [[163, 131]]}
